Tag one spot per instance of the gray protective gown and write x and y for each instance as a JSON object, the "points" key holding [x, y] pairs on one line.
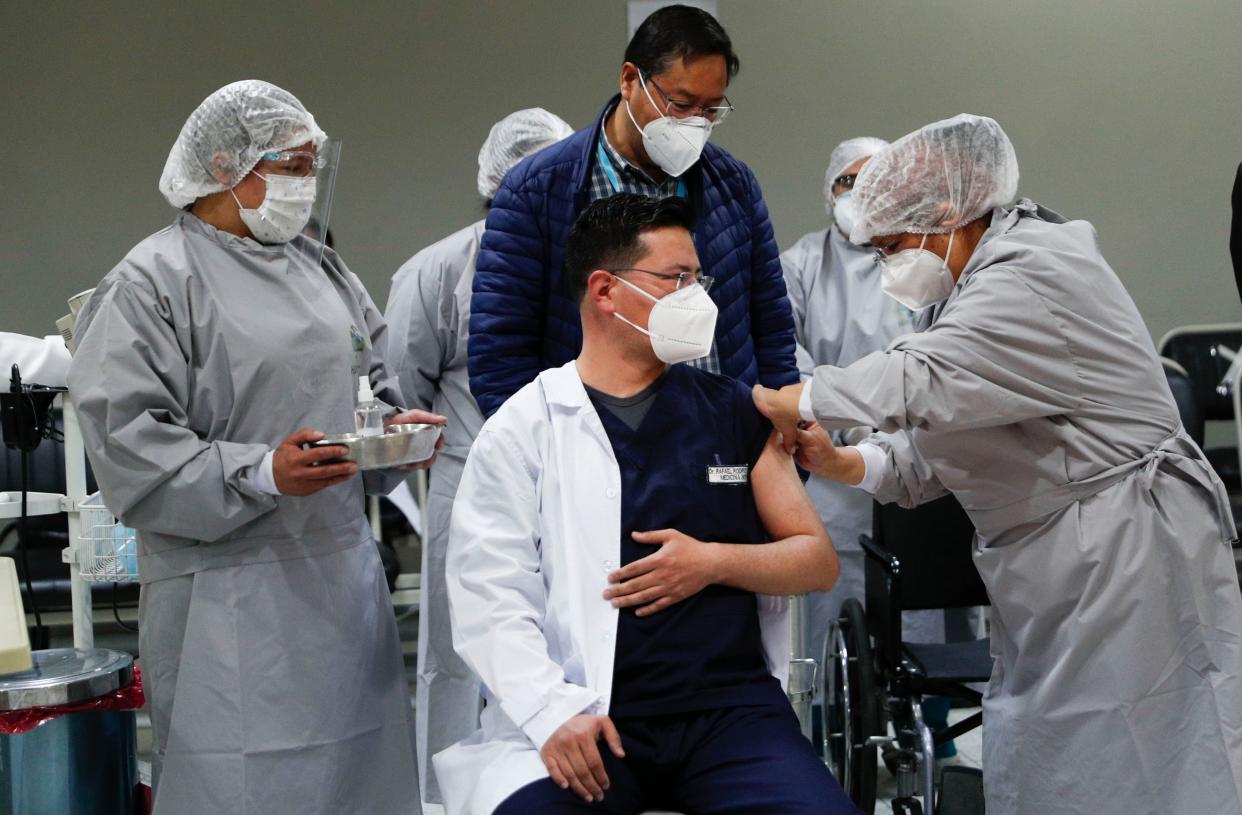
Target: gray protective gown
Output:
{"points": [[428, 318], [270, 654], [1037, 399], [841, 315]]}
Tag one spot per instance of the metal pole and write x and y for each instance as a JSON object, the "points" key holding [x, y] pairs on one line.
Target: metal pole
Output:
{"points": [[420, 493], [373, 511], [75, 489], [802, 667], [797, 627]]}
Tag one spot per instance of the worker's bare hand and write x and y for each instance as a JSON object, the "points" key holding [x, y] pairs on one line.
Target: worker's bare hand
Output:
{"points": [[781, 408], [305, 472], [572, 755], [680, 568], [815, 452], [419, 417]]}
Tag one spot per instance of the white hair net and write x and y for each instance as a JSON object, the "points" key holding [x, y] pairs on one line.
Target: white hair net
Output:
{"points": [[512, 139], [226, 135], [940, 177], [845, 154]]}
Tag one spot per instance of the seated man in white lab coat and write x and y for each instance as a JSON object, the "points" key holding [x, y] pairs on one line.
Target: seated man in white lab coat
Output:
{"points": [[604, 574]]}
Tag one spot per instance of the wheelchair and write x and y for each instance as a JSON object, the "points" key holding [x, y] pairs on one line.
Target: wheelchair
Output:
{"points": [[1209, 358], [916, 559]]}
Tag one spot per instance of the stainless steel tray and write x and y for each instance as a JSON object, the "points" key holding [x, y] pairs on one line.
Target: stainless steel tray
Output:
{"points": [[399, 444]]}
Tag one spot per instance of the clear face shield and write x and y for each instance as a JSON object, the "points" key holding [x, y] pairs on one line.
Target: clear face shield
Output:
{"points": [[300, 165], [329, 159]]}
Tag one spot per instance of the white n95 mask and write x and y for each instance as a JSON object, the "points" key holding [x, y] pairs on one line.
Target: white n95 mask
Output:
{"points": [[843, 212], [682, 324], [673, 144], [917, 278], [285, 210]]}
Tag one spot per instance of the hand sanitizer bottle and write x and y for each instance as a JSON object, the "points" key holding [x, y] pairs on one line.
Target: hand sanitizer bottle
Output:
{"points": [[368, 413]]}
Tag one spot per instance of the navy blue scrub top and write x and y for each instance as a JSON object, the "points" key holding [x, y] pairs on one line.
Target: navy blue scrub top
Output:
{"points": [[705, 652]]}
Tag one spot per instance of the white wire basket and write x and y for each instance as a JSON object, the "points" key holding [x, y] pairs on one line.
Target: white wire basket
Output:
{"points": [[107, 550]]}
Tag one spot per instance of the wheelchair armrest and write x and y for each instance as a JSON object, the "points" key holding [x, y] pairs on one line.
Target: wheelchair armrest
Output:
{"points": [[878, 553], [884, 602]]}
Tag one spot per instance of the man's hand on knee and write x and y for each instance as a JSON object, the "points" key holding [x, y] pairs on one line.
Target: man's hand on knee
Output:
{"points": [[682, 567], [572, 755]]}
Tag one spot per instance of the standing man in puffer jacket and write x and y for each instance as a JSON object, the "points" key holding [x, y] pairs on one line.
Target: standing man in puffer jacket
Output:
{"points": [[650, 139]]}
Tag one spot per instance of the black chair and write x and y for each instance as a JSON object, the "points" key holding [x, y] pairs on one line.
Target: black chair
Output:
{"points": [[1187, 398], [918, 559], [1198, 350]]}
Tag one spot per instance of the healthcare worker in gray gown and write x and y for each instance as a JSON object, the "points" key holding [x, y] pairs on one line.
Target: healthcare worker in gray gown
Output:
{"points": [[840, 316], [428, 316], [1037, 399], [207, 357]]}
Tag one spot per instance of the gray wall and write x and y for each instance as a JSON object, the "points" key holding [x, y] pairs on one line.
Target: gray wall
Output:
{"points": [[1124, 113]]}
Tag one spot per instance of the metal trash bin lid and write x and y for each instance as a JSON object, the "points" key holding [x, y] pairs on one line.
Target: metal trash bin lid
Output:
{"points": [[63, 676]]}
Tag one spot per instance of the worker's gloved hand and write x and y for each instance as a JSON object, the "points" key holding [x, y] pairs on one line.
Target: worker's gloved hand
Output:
{"points": [[572, 755], [683, 566], [781, 408], [419, 417], [302, 472]]}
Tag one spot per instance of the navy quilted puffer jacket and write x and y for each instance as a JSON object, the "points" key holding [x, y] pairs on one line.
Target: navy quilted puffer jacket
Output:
{"points": [[523, 318]]}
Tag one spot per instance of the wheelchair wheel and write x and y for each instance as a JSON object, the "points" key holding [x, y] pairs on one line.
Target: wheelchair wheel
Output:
{"points": [[850, 707]]}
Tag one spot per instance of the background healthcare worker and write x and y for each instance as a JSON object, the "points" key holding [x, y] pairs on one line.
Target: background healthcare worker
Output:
{"points": [[428, 316], [1037, 399], [269, 648], [840, 315]]}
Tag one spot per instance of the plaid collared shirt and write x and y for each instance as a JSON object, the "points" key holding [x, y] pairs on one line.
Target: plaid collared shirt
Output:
{"points": [[634, 180]]}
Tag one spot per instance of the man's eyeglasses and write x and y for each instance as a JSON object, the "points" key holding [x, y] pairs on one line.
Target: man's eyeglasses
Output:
{"points": [[682, 278], [678, 109]]}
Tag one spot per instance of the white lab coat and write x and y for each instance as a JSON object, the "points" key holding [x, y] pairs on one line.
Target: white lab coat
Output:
{"points": [[428, 317], [1037, 399], [536, 529]]}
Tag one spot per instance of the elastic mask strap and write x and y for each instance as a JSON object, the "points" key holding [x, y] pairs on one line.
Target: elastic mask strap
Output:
{"points": [[238, 200], [623, 318], [638, 289], [642, 82], [630, 113], [631, 324]]}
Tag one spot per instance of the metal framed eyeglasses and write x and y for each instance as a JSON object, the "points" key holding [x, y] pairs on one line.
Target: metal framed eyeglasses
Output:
{"points": [[678, 109], [682, 278]]}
